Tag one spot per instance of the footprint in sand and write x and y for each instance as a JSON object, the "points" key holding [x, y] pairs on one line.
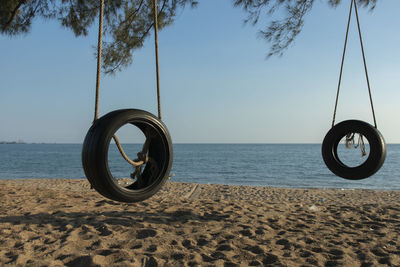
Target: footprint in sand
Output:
{"points": [[94, 245], [103, 230], [309, 240], [285, 243], [137, 246], [142, 234], [63, 257], [255, 263], [255, 249], [379, 252], [177, 256], [270, 259], [332, 263], [18, 245], [246, 232], [12, 257], [259, 231], [336, 253], [207, 258], [202, 242], [104, 202], [312, 261], [385, 260], [81, 261], [105, 252], [217, 255], [151, 248], [150, 262], [224, 247], [305, 254], [187, 244], [317, 249]]}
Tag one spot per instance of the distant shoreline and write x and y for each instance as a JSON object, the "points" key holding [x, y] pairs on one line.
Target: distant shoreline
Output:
{"points": [[25, 143]]}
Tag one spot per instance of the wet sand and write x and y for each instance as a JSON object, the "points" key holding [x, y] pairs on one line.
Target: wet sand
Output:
{"points": [[60, 222]]}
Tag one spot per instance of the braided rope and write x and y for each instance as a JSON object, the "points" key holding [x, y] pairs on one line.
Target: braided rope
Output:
{"points": [[137, 162], [98, 72], [364, 61], [341, 65], [155, 16]]}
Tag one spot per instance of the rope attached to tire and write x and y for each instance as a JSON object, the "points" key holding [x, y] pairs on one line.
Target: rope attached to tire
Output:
{"points": [[154, 161], [348, 129], [137, 162], [364, 61]]}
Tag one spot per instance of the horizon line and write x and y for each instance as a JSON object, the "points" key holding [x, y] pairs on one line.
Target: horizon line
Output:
{"points": [[181, 143]]}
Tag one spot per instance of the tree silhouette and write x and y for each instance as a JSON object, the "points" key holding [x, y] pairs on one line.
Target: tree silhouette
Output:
{"points": [[127, 23]]}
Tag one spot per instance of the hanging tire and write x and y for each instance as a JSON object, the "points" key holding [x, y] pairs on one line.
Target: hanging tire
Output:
{"points": [[373, 163], [95, 155]]}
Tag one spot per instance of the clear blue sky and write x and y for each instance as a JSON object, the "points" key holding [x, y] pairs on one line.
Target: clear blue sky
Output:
{"points": [[216, 84]]}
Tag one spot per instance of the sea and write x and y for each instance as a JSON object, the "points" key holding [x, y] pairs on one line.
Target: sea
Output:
{"points": [[273, 165]]}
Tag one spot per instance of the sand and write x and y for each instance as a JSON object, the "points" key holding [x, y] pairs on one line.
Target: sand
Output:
{"points": [[57, 222]]}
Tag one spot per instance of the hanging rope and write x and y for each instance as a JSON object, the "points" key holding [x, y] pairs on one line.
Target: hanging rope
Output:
{"points": [[341, 65], [99, 44], [155, 16], [142, 156], [364, 61]]}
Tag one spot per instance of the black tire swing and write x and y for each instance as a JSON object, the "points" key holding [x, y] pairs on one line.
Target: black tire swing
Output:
{"points": [[349, 128], [154, 161]]}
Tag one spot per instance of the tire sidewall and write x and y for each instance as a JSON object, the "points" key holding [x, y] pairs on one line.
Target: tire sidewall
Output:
{"points": [[102, 133], [375, 158]]}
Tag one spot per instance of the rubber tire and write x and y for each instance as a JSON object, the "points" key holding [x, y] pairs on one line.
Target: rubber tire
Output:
{"points": [[376, 156], [95, 154]]}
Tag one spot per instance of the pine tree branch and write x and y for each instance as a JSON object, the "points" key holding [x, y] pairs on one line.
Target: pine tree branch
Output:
{"points": [[13, 14]]}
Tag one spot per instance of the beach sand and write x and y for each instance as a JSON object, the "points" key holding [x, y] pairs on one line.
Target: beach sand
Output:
{"points": [[54, 222]]}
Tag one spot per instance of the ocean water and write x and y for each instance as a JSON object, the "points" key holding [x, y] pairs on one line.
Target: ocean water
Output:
{"points": [[277, 165]]}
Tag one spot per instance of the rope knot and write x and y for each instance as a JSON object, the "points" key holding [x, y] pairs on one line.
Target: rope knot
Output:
{"points": [[351, 143], [142, 156]]}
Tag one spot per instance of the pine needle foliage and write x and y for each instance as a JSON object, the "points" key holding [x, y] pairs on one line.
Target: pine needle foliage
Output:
{"points": [[281, 33], [127, 23]]}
